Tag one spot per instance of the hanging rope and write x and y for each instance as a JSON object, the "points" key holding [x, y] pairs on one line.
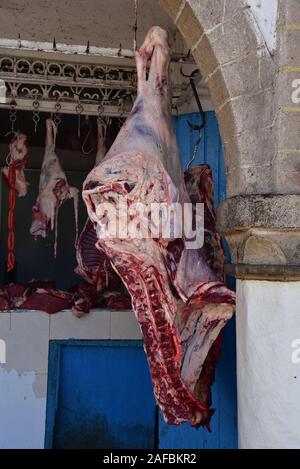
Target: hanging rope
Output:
{"points": [[13, 115], [57, 114], [36, 114], [79, 111]]}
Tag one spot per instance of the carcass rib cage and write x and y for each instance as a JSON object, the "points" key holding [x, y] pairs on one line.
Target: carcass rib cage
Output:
{"points": [[80, 85]]}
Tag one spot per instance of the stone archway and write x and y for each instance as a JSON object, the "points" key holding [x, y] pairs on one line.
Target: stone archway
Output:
{"points": [[242, 77], [239, 72]]}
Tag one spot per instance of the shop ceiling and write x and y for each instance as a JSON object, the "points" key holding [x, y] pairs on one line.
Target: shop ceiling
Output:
{"points": [[77, 57]]}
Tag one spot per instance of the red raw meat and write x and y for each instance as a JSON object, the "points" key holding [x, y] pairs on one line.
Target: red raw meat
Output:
{"points": [[4, 303], [4, 299], [18, 149], [200, 187], [42, 296], [93, 264], [49, 301], [116, 300], [179, 301], [85, 298], [53, 190]]}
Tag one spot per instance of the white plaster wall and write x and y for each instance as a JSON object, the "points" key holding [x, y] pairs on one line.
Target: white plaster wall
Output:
{"points": [[23, 378], [268, 364], [265, 13]]}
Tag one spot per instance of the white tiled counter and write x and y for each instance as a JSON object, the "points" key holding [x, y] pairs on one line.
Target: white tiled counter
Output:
{"points": [[23, 378]]}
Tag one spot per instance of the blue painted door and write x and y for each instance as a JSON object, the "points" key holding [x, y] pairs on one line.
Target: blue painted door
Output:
{"points": [[99, 396]]}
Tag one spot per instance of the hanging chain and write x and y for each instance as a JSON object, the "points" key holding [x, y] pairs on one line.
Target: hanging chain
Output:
{"points": [[194, 152], [100, 113], [193, 127], [84, 151], [36, 113], [13, 116], [79, 110], [57, 114]]}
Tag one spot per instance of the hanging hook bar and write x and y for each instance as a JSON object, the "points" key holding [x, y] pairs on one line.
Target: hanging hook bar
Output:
{"points": [[36, 113], [197, 128], [8, 156], [87, 152], [79, 110], [101, 119], [57, 114], [120, 50], [12, 116]]}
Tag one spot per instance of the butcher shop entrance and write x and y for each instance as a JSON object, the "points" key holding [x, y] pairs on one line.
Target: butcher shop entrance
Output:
{"points": [[35, 258], [60, 114]]}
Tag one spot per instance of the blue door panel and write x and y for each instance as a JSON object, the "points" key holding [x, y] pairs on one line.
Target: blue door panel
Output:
{"points": [[104, 397], [210, 149]]}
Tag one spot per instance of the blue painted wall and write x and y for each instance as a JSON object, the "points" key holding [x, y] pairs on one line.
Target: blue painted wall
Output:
{"points": [[209, 151]]}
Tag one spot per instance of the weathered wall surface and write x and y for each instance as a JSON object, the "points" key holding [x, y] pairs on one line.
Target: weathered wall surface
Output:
{"points": [[248, 53], [268, 364], [23, 378], [239, 71], [286, 170]]}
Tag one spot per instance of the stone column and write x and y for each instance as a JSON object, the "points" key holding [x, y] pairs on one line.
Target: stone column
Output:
{"points": [[263, 233]]}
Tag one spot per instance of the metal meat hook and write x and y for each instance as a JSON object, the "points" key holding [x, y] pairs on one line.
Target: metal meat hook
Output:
{"points": [[79, 110], [12, 116], [36, 113], [195, 127], [86, 137], [12, 131]]}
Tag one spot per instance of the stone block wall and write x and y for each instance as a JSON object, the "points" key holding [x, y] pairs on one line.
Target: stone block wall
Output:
{"points": [[255, 90]]}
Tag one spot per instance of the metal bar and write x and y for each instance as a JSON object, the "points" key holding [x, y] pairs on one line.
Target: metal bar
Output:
{"points": [[65, 81], [70, 108], [25, 104], [108, 58]]}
